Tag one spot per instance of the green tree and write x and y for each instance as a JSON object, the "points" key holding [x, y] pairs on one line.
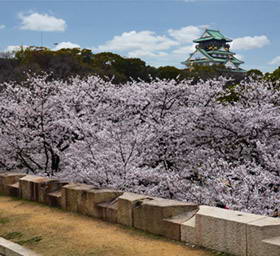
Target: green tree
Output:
{"points": [[274, 76], [168, 72], [254, 73], [132, 68]]}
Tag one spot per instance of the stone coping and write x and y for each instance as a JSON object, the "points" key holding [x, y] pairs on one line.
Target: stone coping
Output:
{"points": [[229, 215], [36, 179], [8, 248], [274, 240]]}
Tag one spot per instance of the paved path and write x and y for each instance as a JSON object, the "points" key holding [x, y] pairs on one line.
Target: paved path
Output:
{"points": [[53, 232]]}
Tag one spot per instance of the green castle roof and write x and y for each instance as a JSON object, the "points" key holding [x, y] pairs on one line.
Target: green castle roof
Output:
{"points": [[216, 52], [221, 52], [209, 58], [212, 34]]}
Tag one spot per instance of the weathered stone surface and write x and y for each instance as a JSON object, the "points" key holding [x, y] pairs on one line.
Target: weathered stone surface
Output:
{"points": [[271, 246], [85, 199], [12, 190], [126, 202], [262, 229], [97, 196], [48, 187], [108, 211], [223, 230], [155, 216], [74, 197], [172, 226], [9, 178], [28, 189], [54, 198], [233, 232], [188, 231], [36, 188]]}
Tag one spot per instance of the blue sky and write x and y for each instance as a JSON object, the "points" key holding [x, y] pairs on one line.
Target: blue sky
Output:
{"points": [[157, 31]]}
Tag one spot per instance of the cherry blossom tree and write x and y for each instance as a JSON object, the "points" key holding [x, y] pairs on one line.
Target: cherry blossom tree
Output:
{"points": [[206, 142], [32, 134]]}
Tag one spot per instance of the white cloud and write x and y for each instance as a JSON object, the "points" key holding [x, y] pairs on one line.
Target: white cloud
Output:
{"points": [[143, 42], [275, 61], [239, 56], [249, 42], [185, 50], [41, 22], [66, 45], [14, 48], [187, 34], [173, 47], [143, 53], [2, 26]]}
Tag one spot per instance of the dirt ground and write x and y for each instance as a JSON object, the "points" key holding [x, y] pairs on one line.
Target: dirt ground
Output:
{"points": [[53, 232]]}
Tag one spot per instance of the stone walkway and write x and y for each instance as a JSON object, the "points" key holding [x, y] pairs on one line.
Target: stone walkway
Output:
{"points": [[53, 232]]}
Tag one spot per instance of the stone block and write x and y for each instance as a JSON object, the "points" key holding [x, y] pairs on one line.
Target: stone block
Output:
{"points": [[172, 226], [158, 216], [74, 197], [53, 193], [188, 231], [126, 202], [223, 230], [13, 190], [54, 198], [36, 188], [85, 199], [271, 246], [97, 196], [9, 178], [261, 229], [108, 211]]}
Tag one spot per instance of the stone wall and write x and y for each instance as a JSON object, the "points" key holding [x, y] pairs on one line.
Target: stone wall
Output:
{"points": [[224, 230]]}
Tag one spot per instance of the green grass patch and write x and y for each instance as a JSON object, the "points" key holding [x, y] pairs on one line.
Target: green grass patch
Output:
{"points": [[20, 238], [4, 220], [12, 235], [32, 240]]}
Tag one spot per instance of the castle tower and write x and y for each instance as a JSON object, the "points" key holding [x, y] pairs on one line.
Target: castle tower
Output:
{"points": [[213, 49]]}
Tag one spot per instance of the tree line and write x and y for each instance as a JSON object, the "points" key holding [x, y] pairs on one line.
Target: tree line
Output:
{"points": [[66, 63]]}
